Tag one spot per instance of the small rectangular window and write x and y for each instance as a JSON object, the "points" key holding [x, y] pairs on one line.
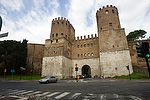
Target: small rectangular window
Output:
{"points": [[110, 24]]}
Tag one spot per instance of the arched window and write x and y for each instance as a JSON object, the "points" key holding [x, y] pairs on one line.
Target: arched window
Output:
{"points": [[61, 34], [113, 11], [56, 34], [91, 54], [107, 11]]}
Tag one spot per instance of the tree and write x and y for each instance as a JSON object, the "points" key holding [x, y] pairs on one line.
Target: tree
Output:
{"points": [[135, 35], [13, 54]]}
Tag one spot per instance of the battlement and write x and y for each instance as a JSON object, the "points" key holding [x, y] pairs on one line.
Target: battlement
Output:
{"points": [[105, 7], [61, 20], [84, 38]]}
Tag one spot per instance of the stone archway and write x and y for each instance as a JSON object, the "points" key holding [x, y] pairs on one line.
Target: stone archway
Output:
{"points": [[86, 71]]}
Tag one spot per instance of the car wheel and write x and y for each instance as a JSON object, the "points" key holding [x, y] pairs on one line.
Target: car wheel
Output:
{"points": [[55, 81], [47, 81]]}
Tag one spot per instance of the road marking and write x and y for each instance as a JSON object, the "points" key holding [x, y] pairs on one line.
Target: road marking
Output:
{"points": [[116, 95], [62, 95], [25, 92], [45, 93], [17, 92], [74, 96], [34, 93], [12, 90], [52, 94], [102, 96], [135, 98]]}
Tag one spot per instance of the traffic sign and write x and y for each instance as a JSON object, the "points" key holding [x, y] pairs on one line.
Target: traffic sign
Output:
{"points": [[12, 70], [76, 65], [4, 35], [115, 68], [0, 23]]}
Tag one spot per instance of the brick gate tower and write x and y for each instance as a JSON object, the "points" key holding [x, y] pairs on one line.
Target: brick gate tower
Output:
{"points": [[113, 46], [57, 51], [95, 56]]}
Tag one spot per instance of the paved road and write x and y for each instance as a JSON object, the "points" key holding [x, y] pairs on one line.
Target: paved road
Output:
{"points": [[87, 89]]}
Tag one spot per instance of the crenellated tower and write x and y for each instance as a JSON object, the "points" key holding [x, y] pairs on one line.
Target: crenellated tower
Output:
{"points": [[62, 28], [57, 51], [107, 18], [113, 46]]}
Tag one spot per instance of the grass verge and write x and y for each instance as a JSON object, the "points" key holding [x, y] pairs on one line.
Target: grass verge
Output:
{"points": [[135, 75], [23, 77]]}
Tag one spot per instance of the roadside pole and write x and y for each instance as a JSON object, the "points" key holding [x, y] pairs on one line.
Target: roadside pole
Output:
{"points": [[116, 71], [76, 69], [148, 66], [5, 70], [129, 71]]}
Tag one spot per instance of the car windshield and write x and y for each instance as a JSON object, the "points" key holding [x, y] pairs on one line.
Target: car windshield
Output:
{"points": [[47, 77]]}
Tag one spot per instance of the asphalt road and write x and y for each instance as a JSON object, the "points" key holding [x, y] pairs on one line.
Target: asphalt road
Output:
{"points": [[87, 89]]}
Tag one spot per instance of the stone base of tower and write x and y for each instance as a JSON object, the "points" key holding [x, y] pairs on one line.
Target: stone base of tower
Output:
{"points": [[110, 60], [58, 66]]}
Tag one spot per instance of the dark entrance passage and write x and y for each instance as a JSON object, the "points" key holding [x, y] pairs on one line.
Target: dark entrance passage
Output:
{"points": [[86, 71]]}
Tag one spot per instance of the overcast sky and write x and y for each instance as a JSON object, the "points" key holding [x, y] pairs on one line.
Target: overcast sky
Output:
{"points": [[31, 19]]}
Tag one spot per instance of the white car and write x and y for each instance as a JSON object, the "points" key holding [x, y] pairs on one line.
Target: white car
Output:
{"points": [[48, 79]]}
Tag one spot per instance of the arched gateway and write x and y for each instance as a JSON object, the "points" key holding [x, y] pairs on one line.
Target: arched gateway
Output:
{"points": [[86, 71]]}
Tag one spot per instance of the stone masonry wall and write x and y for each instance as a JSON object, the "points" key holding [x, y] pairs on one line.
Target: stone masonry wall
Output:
{"points": [[111, 59], [34, 58], [139, 64], [58, 66], [93, 63]]}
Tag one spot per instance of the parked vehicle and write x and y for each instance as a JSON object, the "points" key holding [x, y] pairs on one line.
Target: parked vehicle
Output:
{"points": [[48, 79]]}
